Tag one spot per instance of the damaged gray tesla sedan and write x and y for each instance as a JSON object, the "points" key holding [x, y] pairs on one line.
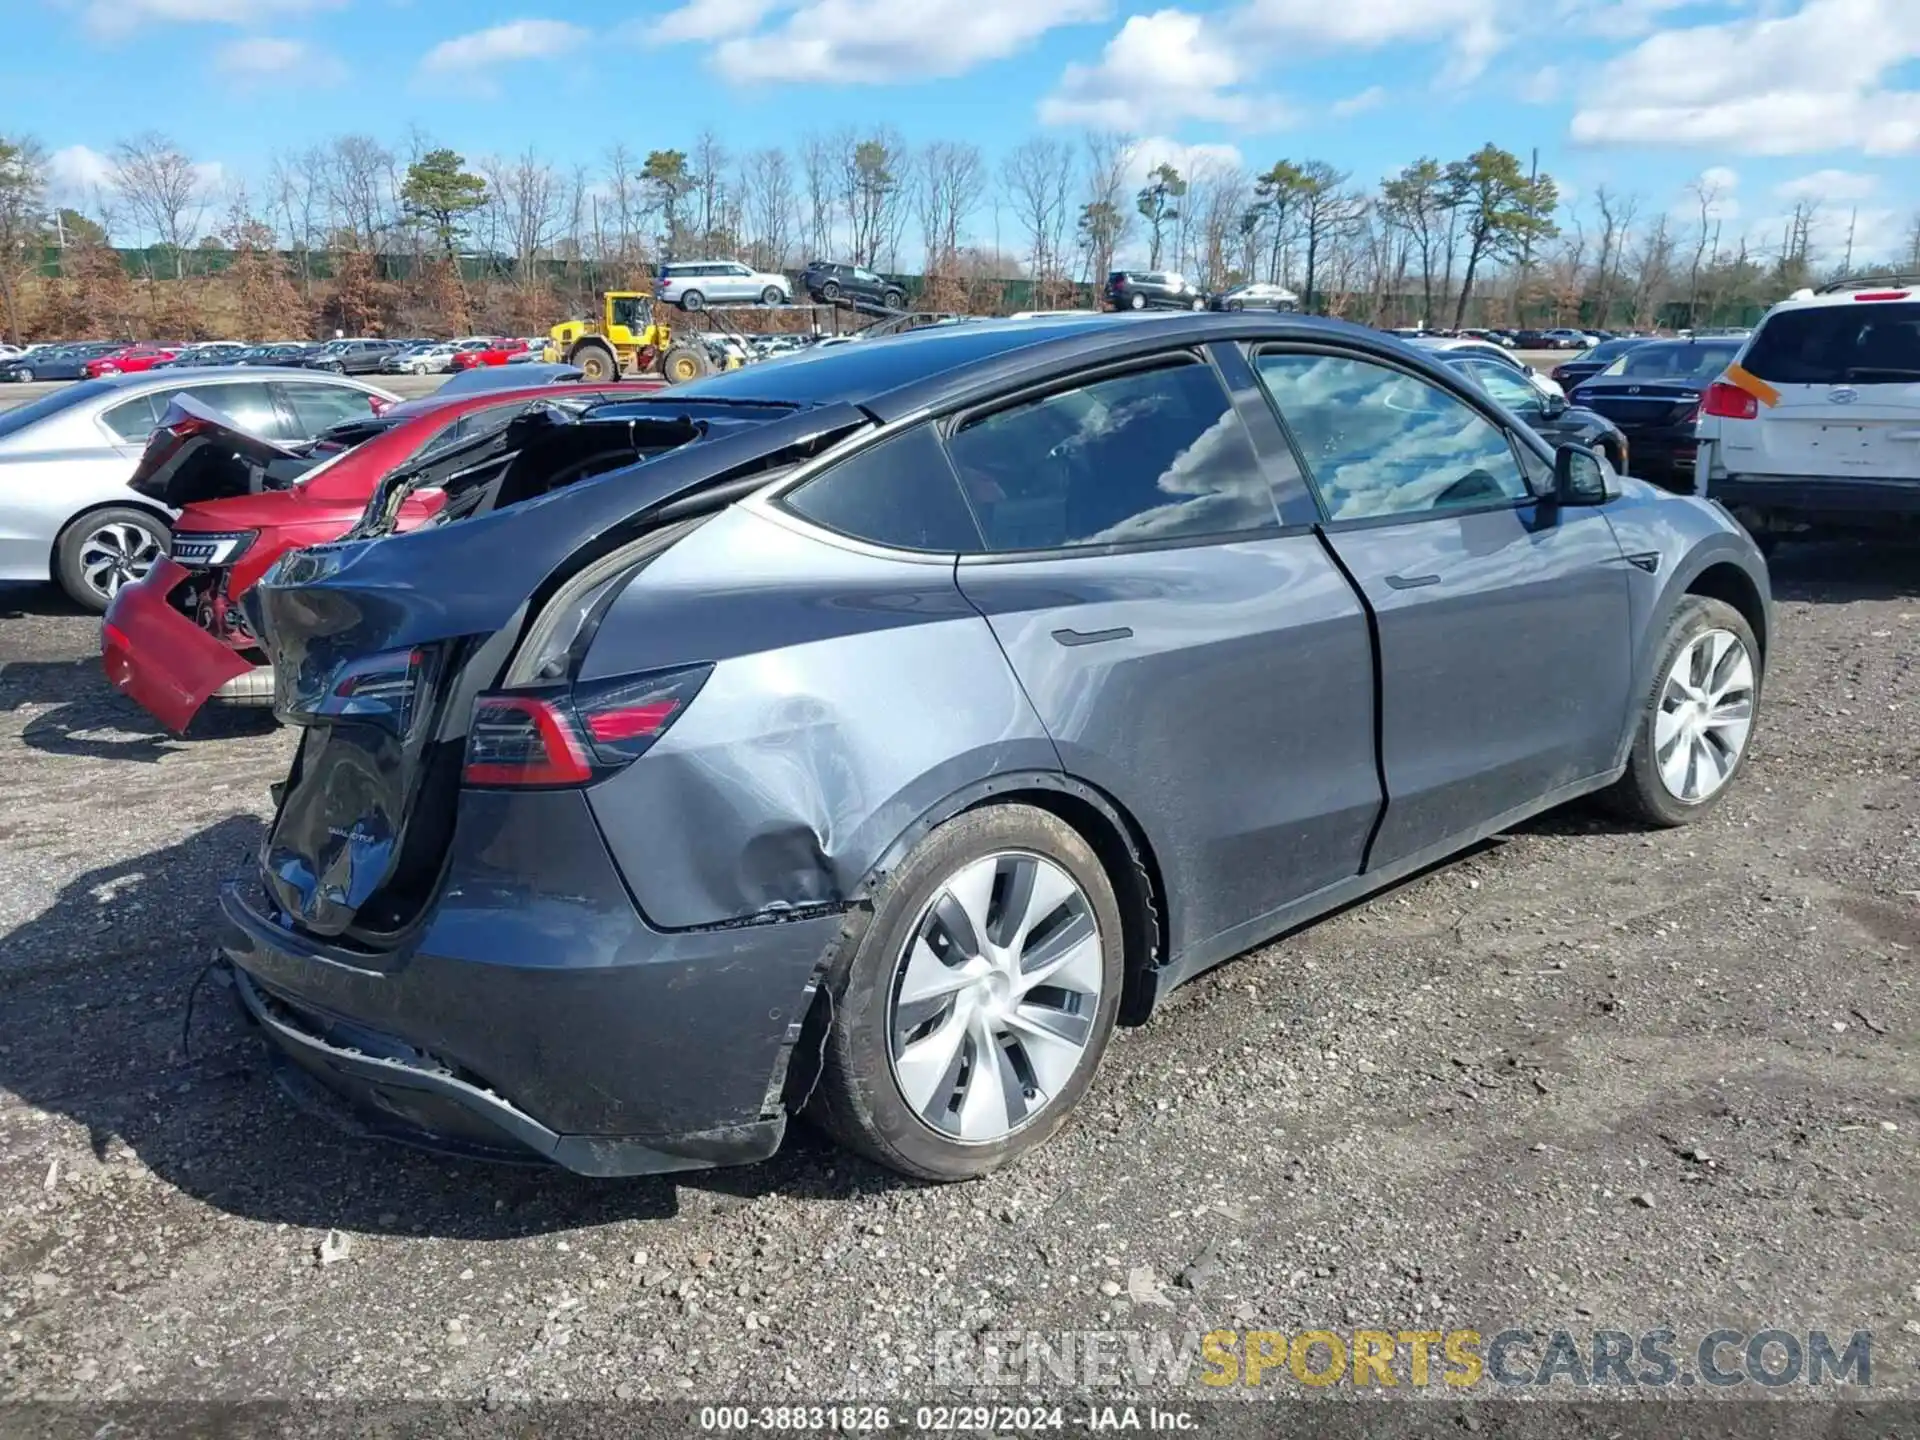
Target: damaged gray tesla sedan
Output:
{"points": [[871, 732]]}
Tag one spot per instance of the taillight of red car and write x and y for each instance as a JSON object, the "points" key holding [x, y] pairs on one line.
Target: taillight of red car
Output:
{"points": [[539, 740]]}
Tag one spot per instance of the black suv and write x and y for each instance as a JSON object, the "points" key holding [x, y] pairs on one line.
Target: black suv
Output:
{"points": [[831, 283], [1152, 290], [349, 357]]}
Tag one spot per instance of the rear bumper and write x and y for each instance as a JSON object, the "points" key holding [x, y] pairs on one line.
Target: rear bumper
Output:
{"points": [[1811, 500], [161, 660], [536, 1015], [1663, 455]]}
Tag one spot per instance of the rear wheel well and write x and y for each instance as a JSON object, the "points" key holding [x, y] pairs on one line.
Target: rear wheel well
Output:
{"points": [[132, 502], [1731, 585], [1129, 863]]}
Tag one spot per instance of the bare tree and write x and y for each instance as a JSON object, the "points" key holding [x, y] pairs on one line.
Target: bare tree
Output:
{"points": [[873, 190], [359, 181], [1616, 231], [710, 161], [817, 168], [529, 197], [950, 178], [1218, 197], [162, 189], [1037, 178], [1654, 266], [1328, 213], [767, 203], [1706, 194], [1106, 216], [23, 215]]}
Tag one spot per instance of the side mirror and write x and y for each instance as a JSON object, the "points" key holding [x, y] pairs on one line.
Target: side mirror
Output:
{"points": [[1579, 476], [1552, 407]]}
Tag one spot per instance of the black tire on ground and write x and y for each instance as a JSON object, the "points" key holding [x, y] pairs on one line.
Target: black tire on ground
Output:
{"points": [[68, 569], [683, 363], [693, 300], [894, 299], [597, 360], [25, 377], [1639, 795], [1137, 302], [772, 295], [1236, 305], [857, 1099], [830, 291]]}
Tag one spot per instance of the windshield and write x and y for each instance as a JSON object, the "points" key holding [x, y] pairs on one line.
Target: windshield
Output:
{"points": [[1673, 362], [13, 421], [1874, 342]]}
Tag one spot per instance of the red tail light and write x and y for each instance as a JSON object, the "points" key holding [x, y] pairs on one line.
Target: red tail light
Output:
{"points": [[1882, 294], [520, 740], [1730, 402], [571, 738], [384, 689]]}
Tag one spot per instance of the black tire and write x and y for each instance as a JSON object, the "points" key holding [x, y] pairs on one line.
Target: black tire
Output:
{"points": [[25, 377], [772, 295], [1236, 305], [830, 291], [894, 299], [857, 1099], [693, 300], [1136, 302], [683, 363], [69, 560], [1639, 794], [598, 361]]}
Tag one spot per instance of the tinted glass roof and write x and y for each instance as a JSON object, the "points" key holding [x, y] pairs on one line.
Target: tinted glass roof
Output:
{"points": [[872, 367]]}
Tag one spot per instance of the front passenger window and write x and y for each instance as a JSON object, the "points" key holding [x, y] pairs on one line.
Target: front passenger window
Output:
{"points": [[1379, 441]]}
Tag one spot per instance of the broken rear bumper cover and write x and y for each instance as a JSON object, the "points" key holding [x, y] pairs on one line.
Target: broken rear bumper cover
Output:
{"points": [[164, 662], [536, 1022]]}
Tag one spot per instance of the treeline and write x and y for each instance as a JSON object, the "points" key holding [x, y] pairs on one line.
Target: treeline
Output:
{"points": [[358, 236]]}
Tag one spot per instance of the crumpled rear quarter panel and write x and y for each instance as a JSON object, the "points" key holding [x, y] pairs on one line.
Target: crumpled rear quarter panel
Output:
{"points": [[851, 694]]}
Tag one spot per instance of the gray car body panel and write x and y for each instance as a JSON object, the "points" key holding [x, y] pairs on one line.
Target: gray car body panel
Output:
{"points": [[851, 694]]}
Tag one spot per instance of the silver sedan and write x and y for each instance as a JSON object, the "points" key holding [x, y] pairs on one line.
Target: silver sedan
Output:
{"points": [[66, 513]]}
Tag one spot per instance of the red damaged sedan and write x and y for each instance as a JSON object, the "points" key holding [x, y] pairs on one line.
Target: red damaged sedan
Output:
{"points": [[498, 353], [176, 639]]}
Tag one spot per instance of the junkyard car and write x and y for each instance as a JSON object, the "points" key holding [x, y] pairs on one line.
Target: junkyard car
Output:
{"points": [[66, 513], [872, 729]]}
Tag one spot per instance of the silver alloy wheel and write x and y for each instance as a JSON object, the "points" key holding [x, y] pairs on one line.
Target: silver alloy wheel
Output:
{"points": [[117, 555], [1705, 716], [995, 996]]}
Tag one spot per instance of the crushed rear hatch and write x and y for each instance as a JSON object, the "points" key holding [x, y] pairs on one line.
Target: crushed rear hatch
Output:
{"points": [[201, 453], [382, 643]]}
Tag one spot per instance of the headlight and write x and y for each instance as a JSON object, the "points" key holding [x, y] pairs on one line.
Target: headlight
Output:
{"points": [[205, 550]]}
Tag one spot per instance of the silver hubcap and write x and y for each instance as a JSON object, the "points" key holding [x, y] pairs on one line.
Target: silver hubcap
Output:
{"points": [[116, 555], [1706, 713], [994, 996]]}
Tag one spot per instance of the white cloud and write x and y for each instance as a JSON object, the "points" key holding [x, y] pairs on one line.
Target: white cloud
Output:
{"points": [[77, 171], [1371, 98], [265, 57], [1161, 69], [503, 44], [1192, 161], [112, 19], [1839, 187], [886, 42], [1542, 87], [1470, 29], [699, 20], [1792, 83]]}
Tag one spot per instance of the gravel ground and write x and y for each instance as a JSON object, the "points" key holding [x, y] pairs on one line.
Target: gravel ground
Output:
{"points": [[1584, 1077]]}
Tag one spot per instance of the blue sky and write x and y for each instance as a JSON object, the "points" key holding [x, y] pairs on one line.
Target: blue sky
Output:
{"points": [[1774, 100]]}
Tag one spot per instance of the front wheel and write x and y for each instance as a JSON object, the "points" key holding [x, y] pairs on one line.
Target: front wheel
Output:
{"points": [[1696, 719], [25, 377], [773, 295], [693, 300], [1137, 302], [971, 1009], [894, 300], [830, 291], [1236, 305]]}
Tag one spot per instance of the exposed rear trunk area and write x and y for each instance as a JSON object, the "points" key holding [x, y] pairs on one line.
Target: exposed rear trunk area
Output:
{"points": [[382, 644]]}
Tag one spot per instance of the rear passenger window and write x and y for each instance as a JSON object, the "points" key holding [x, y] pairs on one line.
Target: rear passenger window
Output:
{"points": [[1151, 455], [899, 493], [321, 407], [134, 420], [1379, 441]]}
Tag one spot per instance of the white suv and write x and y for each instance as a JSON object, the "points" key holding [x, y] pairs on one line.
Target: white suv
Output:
{"points": [[1816, 424], [695, 284]]}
